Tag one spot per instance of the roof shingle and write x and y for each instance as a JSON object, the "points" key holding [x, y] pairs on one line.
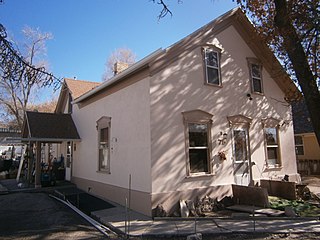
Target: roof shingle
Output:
{"points": [[49, 126]]}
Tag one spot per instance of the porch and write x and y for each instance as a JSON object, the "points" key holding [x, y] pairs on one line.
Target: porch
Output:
{"points": [[49, 139]]}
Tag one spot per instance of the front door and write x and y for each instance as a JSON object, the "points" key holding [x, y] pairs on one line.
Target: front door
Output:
{"points": [[69, 161], [241, 155]]}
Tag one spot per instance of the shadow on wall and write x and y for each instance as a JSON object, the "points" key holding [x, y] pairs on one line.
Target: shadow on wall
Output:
{"points": [[180, 87]]}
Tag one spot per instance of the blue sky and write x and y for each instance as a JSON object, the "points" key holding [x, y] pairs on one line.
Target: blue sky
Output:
{"points": [[87, 32]]}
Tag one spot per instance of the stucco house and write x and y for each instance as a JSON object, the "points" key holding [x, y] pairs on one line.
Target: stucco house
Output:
{"points": [[186, 121], [307, 146]]}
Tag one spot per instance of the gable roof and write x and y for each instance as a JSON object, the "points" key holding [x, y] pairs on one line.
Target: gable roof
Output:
{"points": [[235, 17], [74, 87], [49, 127], [79, 87]]}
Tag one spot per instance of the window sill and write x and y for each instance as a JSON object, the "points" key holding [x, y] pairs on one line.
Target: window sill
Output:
{"points": [[258, 93], [103, 171], [200, 175], [213, 85], [274, 167]]}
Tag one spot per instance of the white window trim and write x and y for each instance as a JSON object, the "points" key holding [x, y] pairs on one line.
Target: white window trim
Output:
{"points": [[197, 117], [255, 61], [218, 51], [104, 122]]}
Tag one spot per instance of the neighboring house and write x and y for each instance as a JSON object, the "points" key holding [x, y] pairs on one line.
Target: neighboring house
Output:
{"points": [[307, 146], [187, 121]]}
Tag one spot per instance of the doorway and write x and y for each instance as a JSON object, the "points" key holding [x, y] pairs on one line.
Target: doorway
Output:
{"points": [[241, 156], [69, 161]]}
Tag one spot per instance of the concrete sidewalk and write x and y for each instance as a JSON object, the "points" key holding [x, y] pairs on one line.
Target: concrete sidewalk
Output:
{"points": [[141, 225]]}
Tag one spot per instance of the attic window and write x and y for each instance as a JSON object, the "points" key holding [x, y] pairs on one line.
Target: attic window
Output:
{"points": [[255, 69], [212, 65]]}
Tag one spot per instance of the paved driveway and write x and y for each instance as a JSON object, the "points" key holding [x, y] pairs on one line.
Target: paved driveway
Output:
{"points": [[38, 216]]}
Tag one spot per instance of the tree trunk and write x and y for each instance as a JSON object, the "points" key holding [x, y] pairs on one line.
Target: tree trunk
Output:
{"points": [[297, 56]]}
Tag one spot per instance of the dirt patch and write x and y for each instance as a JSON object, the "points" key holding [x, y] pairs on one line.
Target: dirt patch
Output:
{"points": [[37, 216]]}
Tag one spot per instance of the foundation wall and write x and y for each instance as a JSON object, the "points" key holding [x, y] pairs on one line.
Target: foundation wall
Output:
{"points": [[139, 201], [170, 200]]}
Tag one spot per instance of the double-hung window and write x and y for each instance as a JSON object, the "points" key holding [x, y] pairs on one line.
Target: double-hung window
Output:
{"points": [[272, 143], [198, 147], [197, 132], [212, 66], [103, 127], [255, 69]]}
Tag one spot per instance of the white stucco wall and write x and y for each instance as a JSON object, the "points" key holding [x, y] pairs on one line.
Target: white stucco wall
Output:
{"points": [[129, 110], [180, 87]]}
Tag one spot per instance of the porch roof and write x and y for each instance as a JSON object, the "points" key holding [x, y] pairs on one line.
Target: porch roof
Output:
{"points": [[49, 127]]}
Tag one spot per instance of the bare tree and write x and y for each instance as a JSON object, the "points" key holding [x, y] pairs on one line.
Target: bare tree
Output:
{"points": [[48, 106], [122, 55], [21, 73]]}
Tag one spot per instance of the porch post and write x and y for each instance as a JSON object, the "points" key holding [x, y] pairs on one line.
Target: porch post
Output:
{"points": [[37, 182]]}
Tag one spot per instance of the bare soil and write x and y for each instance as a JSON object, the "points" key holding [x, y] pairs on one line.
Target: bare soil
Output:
{"points": [[37, 216]]}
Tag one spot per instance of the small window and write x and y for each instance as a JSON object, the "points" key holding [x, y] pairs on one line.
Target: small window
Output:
{"points": [[198, 125], [255, 69], [103, 127], [212, 66], [299, 145], [272, 146]]}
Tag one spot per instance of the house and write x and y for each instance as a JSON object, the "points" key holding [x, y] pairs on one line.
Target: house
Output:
{"points": [[307, 146], [53, 133], [186, 121]]}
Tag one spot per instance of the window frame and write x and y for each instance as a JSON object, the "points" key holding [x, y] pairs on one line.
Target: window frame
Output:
{"points": [[251, 62], [217, 50], [272, 123], [203, 118], [104, 123]]}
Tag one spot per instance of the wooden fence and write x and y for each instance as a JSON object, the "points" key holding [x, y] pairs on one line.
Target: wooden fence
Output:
{"points": [[308, 167]]}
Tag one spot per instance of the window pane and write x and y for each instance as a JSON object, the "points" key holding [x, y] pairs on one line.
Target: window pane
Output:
{"points": [[104, 135], [103, 156], [272, 155], [211, 58], [213, 76], [255, 70], [299, 150], [198, 135], [198, 160], [257, 85], [271, 136], [240, 145], [298, 140]]}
